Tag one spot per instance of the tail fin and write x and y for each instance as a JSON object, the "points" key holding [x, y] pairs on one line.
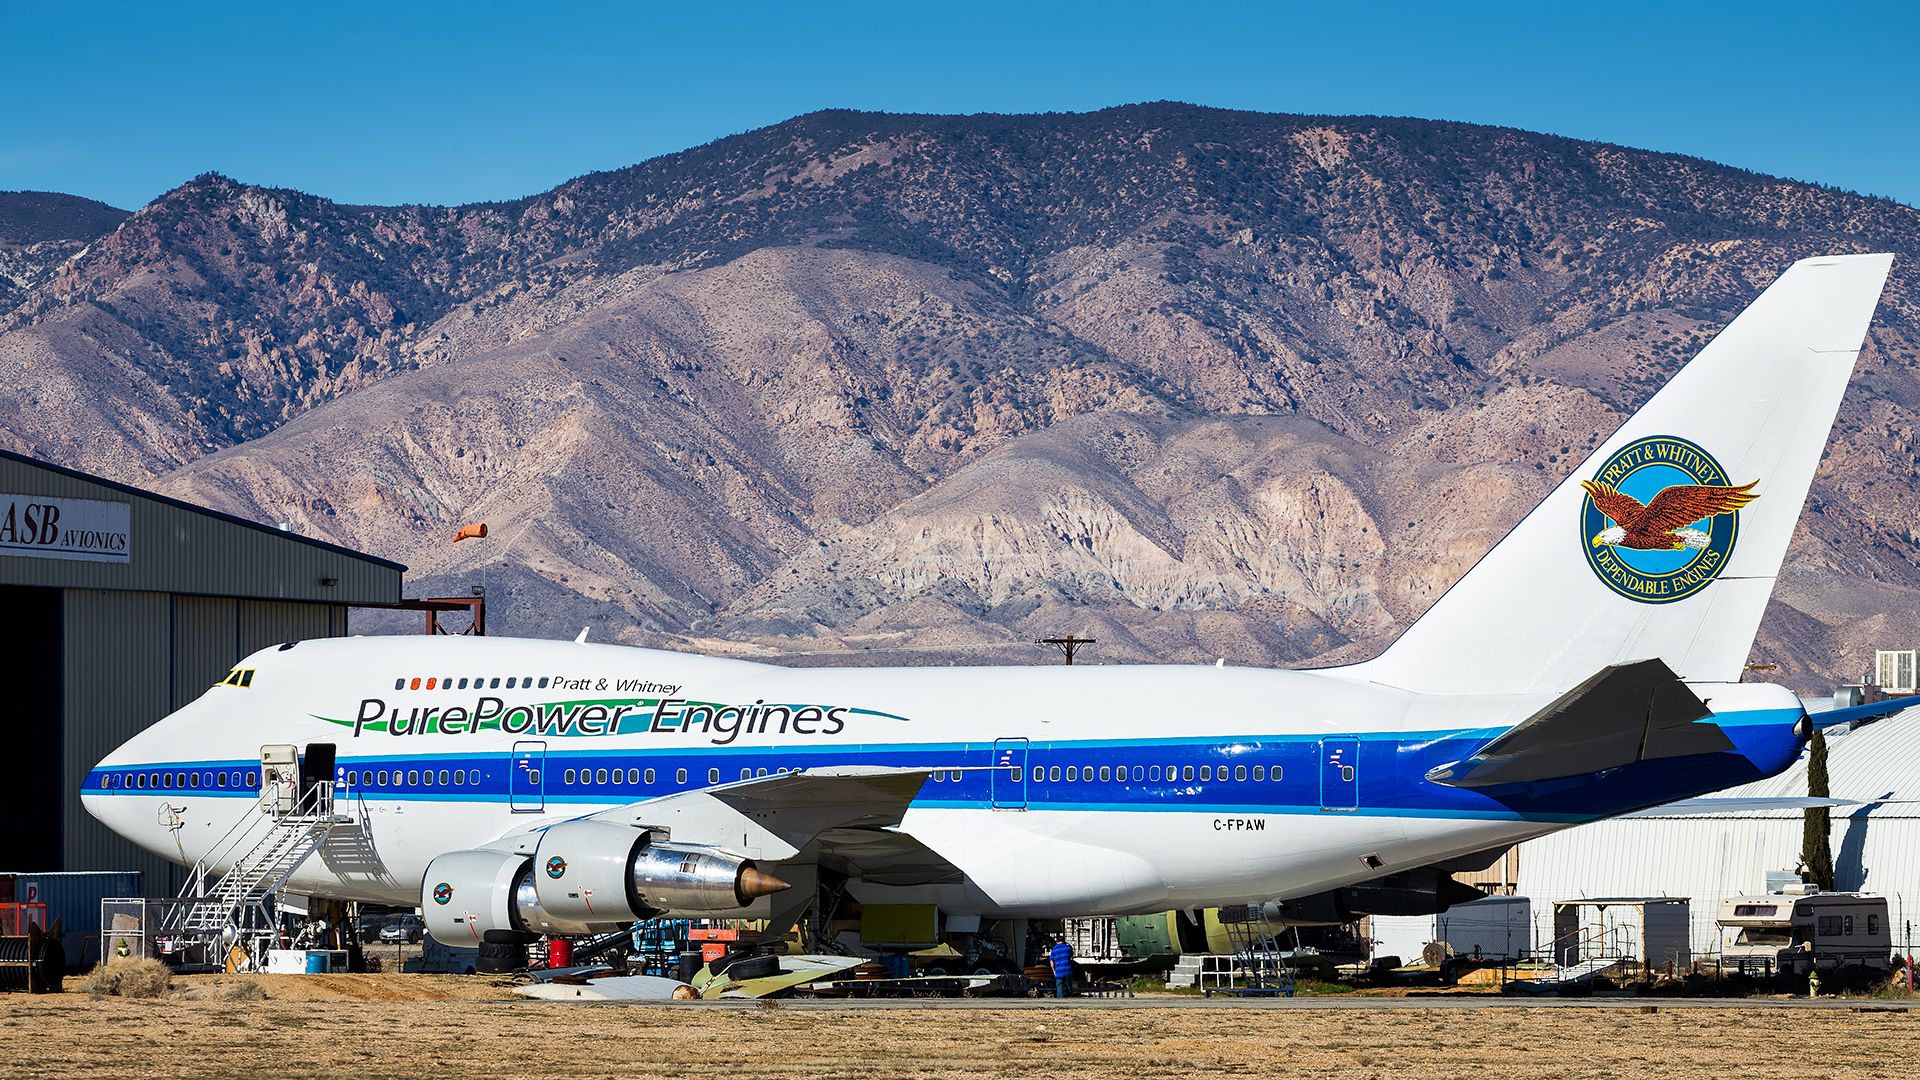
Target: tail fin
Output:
{"points": [[1666, 541]]}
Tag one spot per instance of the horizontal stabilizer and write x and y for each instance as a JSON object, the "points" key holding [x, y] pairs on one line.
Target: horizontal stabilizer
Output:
{"points": [[1623, 714], [1855, 713]]}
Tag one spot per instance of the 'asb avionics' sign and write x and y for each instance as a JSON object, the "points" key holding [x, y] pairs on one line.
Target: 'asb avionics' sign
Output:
{"points": [[51, 528]]}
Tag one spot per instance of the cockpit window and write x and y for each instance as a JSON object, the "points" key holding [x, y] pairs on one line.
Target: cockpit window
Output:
{"points": [[241, 677]]}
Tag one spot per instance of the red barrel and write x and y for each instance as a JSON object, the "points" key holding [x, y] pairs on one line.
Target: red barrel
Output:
{"points": [[559, 952]]}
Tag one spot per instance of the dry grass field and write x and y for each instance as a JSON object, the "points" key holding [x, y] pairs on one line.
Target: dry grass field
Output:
{"points": [[417, 1027]]}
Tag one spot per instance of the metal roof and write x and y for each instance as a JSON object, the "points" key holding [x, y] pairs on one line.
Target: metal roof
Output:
{"points": [[1877, 764], [177, 547]]}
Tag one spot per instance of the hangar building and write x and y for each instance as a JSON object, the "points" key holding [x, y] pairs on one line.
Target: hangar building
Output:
{"points": [[1709, 857], [118, 606]]}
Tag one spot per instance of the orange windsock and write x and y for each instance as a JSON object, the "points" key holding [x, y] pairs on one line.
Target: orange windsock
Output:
{"points": [[470, 532]]}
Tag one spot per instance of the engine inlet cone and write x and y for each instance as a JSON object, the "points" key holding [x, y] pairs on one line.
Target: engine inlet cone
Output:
{"points": [[755, 883]]}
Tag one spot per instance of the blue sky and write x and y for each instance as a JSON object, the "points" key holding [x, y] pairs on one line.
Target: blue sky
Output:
{"points": [[446, 103]]}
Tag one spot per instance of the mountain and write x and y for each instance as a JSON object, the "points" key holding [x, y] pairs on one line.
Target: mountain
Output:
{"points": [[39, 230], [891, 388]]}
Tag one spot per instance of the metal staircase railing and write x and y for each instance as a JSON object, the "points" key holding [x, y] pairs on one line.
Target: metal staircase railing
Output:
{"points": [[237, 897], [1260, 966], [1575, 957]]}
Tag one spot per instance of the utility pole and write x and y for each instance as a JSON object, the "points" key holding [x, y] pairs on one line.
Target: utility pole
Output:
{"points": [[1066, 645]]}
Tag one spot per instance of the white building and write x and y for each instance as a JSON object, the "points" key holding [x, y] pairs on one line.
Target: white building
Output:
{"points": [[1876, 847]]}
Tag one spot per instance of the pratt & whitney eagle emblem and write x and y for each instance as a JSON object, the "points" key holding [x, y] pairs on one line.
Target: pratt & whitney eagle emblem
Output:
{"points": [[1660, 519]]}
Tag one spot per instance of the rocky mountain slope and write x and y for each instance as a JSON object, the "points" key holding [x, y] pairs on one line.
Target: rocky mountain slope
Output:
{"points": [[883, 388], [39, 230]]}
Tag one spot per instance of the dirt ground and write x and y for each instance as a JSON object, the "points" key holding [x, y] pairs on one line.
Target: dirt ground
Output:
{"points": [[426, 1026]]}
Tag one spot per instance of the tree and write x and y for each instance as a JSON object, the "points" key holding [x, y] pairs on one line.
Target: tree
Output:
{"points": [[1816, 850]]}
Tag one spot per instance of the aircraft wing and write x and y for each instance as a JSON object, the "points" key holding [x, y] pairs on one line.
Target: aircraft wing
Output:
{"points": [[776, 817], [1855, 713], [1736, 805], [1622, 714]]}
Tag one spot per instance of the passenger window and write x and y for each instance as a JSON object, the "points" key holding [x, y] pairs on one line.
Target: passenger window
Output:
{"points": [[221, 778], [1105, 774], [568, 776], [713, 776], [426, 778], [1154, 773], [1073, 773], [543, 682], [1206, 772], [399, 684], [1053, 774], [599, 776], [463, 684], [383, 778], [430, 683], [459, 778], [415, 684], [1186, 772], [1139, 773], [443, 776], [1239, 772], [413, 777], [496, 683], [1848, 922], [649, 776], [679, 776], [510, 681], [1873, 924], [193, 779], [1259, 772], [1039, 773], [1276, 774]]}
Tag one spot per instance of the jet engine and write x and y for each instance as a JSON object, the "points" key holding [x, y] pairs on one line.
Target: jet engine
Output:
{"points": [[585, 876], [1424, 891]]}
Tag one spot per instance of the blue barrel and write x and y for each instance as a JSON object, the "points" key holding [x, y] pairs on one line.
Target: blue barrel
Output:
{"points": [[316, 963]]}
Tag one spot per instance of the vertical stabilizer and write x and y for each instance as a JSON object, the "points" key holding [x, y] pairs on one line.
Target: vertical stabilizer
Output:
{"points": [[1666, 541]]}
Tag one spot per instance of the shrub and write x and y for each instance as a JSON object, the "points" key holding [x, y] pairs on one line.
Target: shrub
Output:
{"points": [[141, 977]]}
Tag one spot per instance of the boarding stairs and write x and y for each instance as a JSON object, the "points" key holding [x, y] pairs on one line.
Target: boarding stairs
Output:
{"points": [[238, 897], [1260, 967], [1573, 960]]}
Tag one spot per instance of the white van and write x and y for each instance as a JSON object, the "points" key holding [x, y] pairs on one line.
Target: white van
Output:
{"points": [[1792, 934]]}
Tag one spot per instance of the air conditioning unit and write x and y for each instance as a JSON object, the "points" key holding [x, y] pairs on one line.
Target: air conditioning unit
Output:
{"points": [[1894, 670]]}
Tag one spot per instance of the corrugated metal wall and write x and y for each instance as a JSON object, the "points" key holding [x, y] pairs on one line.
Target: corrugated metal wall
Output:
{"points": [[130, 659], [1710, 859], [118, 656]]}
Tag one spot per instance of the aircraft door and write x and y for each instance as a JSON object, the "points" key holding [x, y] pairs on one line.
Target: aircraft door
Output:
{"points": [[279, 777], [1340, 774], [316, 765], [1008, 780], [526, 778]]}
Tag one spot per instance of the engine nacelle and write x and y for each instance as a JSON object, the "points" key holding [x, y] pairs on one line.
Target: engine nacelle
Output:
{"points": [[466, 894], [604, 875]]}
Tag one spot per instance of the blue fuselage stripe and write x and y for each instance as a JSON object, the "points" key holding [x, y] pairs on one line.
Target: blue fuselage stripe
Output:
{"points": [[1371, 773]]}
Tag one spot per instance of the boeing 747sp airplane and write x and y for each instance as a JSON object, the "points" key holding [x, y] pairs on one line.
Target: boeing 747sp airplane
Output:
{"points": [[1589, 666]]}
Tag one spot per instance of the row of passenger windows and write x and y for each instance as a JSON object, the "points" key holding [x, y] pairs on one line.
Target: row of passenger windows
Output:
{"points": [[380, 778], [1150, 773], [184, 781], [437, 682], [637, 776]]}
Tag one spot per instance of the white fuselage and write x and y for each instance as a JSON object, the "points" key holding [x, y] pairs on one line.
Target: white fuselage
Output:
{"points": [[1138, 788]]}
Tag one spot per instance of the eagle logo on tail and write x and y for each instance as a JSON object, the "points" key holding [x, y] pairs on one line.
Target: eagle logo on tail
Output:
{"points": [[1659, 525]]}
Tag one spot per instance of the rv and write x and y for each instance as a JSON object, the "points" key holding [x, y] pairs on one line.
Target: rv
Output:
{"points": [[1789, 934]]}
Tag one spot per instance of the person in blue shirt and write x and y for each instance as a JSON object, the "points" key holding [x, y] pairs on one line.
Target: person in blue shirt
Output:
{"points": [[1062, 957]]}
